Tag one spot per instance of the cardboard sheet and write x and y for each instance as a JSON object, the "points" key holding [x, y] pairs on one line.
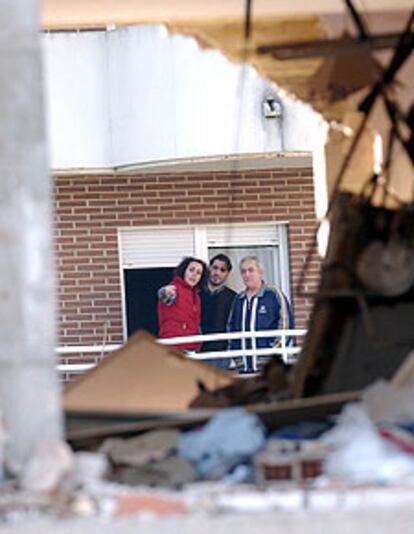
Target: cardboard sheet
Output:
{"points": [[142, 377]]}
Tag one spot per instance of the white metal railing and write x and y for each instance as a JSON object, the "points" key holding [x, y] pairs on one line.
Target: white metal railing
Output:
{"points": [[289, 353], [87, 349], [78, 368]]}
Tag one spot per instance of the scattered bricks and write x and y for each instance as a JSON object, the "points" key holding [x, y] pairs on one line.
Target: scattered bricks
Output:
{"points": [[290, 460], [311, 468], [155, 504], [277, 472]]}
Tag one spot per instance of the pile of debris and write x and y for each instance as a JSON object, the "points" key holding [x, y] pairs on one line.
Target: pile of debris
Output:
{"points": [[136, 448]]}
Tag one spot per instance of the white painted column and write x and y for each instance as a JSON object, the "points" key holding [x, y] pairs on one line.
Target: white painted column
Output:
{"points": [[29, 387]]}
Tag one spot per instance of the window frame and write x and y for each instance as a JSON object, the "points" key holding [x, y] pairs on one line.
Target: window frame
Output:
{"points": [[200, 247]]}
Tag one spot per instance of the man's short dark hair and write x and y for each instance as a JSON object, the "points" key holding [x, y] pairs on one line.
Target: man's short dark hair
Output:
{"points": [[185, 262], [225, 259]]}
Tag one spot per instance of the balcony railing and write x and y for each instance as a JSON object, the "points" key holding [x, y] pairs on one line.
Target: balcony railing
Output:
{"points": [[288, 350]]}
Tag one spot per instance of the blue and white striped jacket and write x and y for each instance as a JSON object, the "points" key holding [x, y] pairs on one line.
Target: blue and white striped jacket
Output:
{"points": [[269, 309]]}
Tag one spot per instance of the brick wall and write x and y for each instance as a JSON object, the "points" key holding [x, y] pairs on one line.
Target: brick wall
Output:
{"points": [[89, 209]]}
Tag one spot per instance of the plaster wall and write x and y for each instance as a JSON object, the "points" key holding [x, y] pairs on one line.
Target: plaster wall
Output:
{"points": [[77, 98], [137, 94]]}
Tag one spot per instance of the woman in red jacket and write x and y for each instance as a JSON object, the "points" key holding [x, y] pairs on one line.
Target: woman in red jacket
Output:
{"points": [[179, 302]]}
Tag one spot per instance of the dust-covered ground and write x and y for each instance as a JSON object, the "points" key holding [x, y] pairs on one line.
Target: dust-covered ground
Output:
{"points": [[374, 521], [217, 509]]}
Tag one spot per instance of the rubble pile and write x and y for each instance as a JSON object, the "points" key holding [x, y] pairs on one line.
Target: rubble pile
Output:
{"points": [[232, 462], [341, 451]]}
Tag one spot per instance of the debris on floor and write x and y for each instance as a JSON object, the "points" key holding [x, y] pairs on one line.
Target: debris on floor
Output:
{"points": [[231, 438], [163, 458]]}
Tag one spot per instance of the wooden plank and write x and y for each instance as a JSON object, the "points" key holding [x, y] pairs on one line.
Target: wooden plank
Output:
{"points": [[329, 47], [273, 415]]}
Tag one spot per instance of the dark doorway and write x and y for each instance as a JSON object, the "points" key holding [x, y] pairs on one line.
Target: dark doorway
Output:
{"points": [[141, 286]]}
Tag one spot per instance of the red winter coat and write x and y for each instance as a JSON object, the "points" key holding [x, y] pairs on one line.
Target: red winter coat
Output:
{"points": [[182, 318]]}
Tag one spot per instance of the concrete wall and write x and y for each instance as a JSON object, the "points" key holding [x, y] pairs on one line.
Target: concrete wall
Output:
{"points": [[77, 99], [137, 94], [29, 392]]}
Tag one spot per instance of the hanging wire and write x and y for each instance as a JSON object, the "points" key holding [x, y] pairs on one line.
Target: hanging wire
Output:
{"points": [[241, 83], [386, 169], [396, 118], [401, 53], [358, 20], [247, 21], [240, 99]]}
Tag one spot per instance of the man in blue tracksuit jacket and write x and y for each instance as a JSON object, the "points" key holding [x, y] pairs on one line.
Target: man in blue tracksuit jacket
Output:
{"points": [[258, 307]]}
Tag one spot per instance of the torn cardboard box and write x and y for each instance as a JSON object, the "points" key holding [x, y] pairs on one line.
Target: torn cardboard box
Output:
{"points": [[142, 377]]}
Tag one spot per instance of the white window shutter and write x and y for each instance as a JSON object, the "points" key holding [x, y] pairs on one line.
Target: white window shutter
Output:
{"points": [[155, 247], [242, 235]]}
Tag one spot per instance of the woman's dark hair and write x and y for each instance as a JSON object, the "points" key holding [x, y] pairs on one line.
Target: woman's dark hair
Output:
{"points": [[185, 262]]}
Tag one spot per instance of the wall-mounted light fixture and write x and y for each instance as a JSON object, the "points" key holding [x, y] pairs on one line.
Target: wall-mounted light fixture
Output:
{"points": [[271, 108]]}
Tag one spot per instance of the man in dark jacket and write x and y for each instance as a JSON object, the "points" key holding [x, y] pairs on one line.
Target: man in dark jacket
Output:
{"points": [[216, 301], [258, 307]]}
